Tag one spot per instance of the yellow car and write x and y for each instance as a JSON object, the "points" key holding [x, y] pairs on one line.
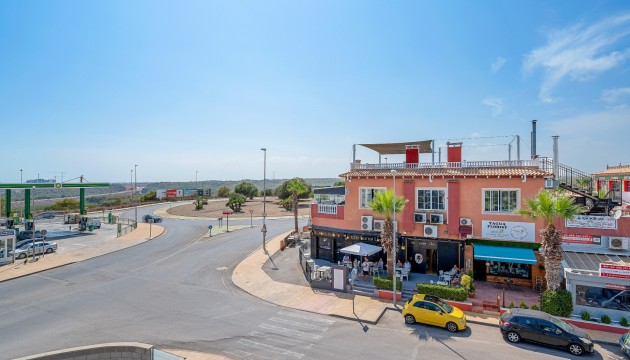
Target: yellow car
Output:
{"points": [[432, 310]]}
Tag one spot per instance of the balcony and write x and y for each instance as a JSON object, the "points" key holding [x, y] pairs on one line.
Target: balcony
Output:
{"points": [[327, 209], [450, 165]]}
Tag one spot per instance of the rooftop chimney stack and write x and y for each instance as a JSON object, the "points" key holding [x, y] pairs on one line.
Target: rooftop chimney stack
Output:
{"points": [[555, 157], [533, 139]]}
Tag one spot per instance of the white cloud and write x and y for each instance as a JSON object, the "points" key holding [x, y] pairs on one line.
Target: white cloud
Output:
{"points": [[611, 96], [579, 52], [497, 64], [495, 104]]}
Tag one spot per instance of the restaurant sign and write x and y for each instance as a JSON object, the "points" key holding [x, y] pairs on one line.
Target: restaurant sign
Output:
{"points": [[614, 271], [580, 239], [592, 222], [508, 230]]}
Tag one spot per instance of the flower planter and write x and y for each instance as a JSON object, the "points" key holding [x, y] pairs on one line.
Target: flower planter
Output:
{"points": [[591, 325], [471, 295], [388, 294], [462, 305], [283, 245]]}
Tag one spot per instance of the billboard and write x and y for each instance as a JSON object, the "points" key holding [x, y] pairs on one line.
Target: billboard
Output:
{"points": [[508, 230]]}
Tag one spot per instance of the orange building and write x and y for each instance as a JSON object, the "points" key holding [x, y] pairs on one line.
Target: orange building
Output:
{"points": [[459, 213]]}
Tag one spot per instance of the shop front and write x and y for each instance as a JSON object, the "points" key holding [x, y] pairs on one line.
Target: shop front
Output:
{"points": [[326, 243], [7, 245], [500, 263], [429, 256]]}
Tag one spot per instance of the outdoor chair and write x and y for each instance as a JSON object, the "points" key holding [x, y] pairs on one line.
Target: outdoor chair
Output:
{"points": [[405, 274]]}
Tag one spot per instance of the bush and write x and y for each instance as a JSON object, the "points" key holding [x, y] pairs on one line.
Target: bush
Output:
{"points": [[223, 192], [466, 282], [557, 303], [522, 305], [586, 315], [150, 196], [65, 204], [235, 202], [512, 306], [623, 322], [535, 307], [605, 319], [287, 204], [386, 284], [443, 291], [247, 189]]}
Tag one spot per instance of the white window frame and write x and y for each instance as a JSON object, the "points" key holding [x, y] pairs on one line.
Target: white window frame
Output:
{"points": [[432, 189], [499, 212], [361, 189]]}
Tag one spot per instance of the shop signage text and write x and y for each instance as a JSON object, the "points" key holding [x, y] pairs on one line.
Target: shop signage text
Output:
{"points": [[614, 271], [592, 222], [508, 230], [577, 239]]}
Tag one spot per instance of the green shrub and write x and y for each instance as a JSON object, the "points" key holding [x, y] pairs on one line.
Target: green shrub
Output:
{"points": [[605, 319], [623, 322], [522, 305], [585, 315], [535, 307], [557, 303], [512, 306], [466, 282], [443, 291], [387, 284]]}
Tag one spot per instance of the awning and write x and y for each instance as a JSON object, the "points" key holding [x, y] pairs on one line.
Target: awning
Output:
{"points": [[504, 254], [361, 249], [424, 147]]}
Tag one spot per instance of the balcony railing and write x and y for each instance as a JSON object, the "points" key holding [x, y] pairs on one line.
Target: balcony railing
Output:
{"points": [[327, 209], [450, 165]]}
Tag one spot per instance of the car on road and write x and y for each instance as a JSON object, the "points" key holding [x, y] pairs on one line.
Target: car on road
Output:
{"points": [[46, 215], [540, 327], [432, 310], [28, 235], [156, 219], [40, 247], [624, 341]]}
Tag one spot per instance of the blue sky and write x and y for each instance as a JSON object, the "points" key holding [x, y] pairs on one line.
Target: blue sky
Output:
{"points": [[94, 87]]}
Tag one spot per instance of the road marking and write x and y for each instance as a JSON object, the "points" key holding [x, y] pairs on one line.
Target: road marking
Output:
{"points": [[289, 332], [306, 317], [279, 339], [240, 354], [299, 324], [270, 348]]}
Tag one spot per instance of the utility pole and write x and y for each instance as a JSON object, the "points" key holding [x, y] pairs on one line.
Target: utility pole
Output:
{"points": [[264, 227], [134, 190]]}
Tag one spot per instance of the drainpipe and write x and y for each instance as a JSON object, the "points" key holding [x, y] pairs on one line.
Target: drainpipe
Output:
{"points": [[533, 139], [555, 157]]}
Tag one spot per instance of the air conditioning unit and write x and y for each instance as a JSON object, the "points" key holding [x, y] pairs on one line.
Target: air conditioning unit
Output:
{"points": [[379, 225], [550, 184], [618, 243], [366, 223], [465, 221], [437, 219], [420, 218], [430, 231]]}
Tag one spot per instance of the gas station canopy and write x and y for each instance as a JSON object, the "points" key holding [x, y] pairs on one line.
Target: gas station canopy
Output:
{"points": [[424, 147]]}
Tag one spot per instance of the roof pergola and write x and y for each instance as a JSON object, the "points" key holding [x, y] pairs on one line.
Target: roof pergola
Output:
{"points": [[424, 147]]}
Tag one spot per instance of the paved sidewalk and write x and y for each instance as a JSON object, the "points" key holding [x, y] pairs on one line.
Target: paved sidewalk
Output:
{"points": [[54, 260], [249, 276]]}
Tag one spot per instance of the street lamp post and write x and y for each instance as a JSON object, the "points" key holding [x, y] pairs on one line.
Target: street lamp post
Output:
{"points": [[264, 227], [196, 184], [394, 172], [20, 176], [135, 184], [251, 218]]}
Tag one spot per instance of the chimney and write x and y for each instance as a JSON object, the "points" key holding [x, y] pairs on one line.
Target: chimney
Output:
{"points": [[533, 139], [555, 157], [454, 152]]}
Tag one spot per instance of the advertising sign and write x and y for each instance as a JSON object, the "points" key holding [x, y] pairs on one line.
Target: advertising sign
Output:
{"points": [[614, 271], [592, 222], [171, 193], [508, 230], [577, 239]]}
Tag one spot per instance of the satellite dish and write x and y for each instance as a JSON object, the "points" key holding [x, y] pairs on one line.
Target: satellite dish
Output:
{"points": [[616, 214]]}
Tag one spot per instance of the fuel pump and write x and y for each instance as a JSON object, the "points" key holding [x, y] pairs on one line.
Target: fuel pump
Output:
{"points": [[29, 224], [83, 223]]}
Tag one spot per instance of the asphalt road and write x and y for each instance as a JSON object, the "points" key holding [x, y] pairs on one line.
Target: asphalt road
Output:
{"points": [[175, 292]]}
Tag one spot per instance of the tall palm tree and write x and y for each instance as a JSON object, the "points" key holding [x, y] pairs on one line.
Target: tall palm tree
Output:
{"points": [[549, 206], [296, 187], [384, 204]]}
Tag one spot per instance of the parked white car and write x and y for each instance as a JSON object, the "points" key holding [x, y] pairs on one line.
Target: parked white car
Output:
{"points": [[40, 247]]}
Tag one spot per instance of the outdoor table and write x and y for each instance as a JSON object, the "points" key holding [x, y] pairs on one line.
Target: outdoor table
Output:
{"points": [[322, 270]]}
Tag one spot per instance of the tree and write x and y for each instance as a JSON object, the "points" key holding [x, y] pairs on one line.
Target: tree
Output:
{"points": [[150, 196], [339, 183], [297, 187], [235, 202], [247, 189], [199, 203], [549, 206], [287, 204], [282, 191], [384, 204], [64, 205], [223, 192]]}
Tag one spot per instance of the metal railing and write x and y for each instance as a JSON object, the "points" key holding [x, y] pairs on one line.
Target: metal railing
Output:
{"points": [[125, 226], [327, 209], [449, 165], [568, 175]]}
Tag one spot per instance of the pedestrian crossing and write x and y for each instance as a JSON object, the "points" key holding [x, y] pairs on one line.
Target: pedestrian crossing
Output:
{"points": [[286, 335]]}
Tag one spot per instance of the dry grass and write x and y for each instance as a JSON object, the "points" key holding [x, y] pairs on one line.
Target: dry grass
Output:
{"points": [[216, 208]]}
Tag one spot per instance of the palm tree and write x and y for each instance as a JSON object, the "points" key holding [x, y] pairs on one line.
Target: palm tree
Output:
{"points": [[384, 204], [549, 206], [296, 187]]}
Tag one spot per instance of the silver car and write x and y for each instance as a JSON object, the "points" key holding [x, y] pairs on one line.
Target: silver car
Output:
{"points": [[40, 247]]}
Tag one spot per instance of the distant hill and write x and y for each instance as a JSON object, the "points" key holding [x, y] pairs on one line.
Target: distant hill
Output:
{"points": [[214, 185]]}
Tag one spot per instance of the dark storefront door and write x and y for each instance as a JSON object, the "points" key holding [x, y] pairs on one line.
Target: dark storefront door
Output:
{"points": [[422, 254], [479, 270], [448, 255]]}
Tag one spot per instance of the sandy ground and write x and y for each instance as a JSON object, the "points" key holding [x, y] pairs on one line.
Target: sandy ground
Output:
{"points": [[216, 209]]}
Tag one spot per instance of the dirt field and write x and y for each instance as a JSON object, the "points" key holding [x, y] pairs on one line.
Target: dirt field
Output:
{"points": [[215, 209]]}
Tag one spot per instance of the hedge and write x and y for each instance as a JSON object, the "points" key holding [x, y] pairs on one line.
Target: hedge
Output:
{"points": [[443, 291], [386, 284], [558, 303]]}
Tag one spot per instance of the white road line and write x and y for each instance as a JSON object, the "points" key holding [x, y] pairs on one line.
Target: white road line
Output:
{"points": [[279, 339], [240, 354], [290, 332], [299, 324], [270, 348], [306, 317]]}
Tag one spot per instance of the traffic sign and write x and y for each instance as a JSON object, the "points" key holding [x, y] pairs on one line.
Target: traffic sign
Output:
{"points": [[227, 213], [263, 229], [209, 227]]}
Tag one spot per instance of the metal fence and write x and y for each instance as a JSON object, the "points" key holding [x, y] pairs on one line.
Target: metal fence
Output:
{"points": [[125, 226]]}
